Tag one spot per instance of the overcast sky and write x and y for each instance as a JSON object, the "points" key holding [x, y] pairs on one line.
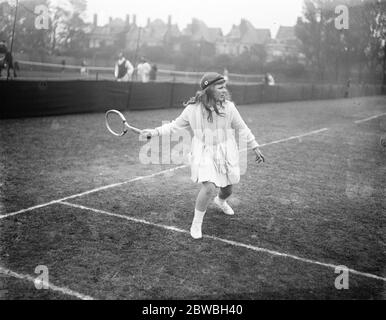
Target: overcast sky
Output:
{"points": [[215, 13]]}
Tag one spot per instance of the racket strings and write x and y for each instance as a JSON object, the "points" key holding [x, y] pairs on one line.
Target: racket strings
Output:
{"points": [[116, 123]]}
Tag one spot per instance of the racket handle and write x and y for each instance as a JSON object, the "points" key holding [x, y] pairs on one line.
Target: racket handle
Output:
{"points": [[133, 128]]}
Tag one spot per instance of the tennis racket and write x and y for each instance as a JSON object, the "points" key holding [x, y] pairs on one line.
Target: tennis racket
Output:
{"points": [[116, 123]]}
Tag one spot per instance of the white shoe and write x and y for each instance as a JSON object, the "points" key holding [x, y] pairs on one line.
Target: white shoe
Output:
{"points": [[224, 206], [195, 231]]}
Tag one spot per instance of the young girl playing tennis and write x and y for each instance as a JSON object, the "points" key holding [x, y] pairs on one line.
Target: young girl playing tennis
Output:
{"points": [[214, 160]]}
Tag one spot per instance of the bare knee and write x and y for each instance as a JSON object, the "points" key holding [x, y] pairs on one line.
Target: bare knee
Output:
{"points": [[209, 189]]}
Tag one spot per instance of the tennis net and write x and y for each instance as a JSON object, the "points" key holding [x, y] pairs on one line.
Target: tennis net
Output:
{"points": [[52, 71]]}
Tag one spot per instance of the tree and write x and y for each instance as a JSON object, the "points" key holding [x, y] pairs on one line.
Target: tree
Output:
{"points": [[68, 27], [75, 40], [28, 38], [6, 22], [377, 41], [366, 34], [64, 31], [259, 55], [320, 39], [340, 51]]}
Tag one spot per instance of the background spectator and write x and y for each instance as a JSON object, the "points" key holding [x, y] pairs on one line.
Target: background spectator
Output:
{"points": [[63, 65], [143, 69], [269, 80], [226, 74], [153, 72], [83, 68], [123, 69]]}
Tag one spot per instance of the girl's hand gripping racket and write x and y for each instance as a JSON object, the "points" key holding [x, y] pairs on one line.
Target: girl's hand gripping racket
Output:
{"points": [[116, 123]]}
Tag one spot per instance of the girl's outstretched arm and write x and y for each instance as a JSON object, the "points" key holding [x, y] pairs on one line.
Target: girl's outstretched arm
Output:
{"points": [[180, 123]]}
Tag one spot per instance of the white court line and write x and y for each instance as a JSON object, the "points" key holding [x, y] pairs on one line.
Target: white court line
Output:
{"points": [[230, 242], [144, 177], [370, 118], [51, 286], [111, 214], [294, 137], [90, 191]]}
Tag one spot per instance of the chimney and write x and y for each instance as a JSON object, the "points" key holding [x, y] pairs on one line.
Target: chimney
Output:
{"points": [[127, 19], [110, 20], [148, 22], [134, 19], [169, 20], [95, 20]]}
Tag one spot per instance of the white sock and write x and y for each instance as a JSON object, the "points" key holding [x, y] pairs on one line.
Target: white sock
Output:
{"points": [[198, 216], [195, 229]]}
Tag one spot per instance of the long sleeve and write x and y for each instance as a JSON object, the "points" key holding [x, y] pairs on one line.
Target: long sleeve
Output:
{"points": [[129, 67], [116, 70], [238, 123], [180, 123]]}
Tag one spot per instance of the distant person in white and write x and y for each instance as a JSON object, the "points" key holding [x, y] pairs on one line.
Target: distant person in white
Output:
{"points": [[123, 69], [83, 68], [143, 70], [226, 74], [269, 80]]}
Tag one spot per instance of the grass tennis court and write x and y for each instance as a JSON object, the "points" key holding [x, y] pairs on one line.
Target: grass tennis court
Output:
{"points": [[318, 202]]}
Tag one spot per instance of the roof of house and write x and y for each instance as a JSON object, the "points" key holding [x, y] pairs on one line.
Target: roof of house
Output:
{"points": [[258, 36], [114, 27], [245, 32], [199, 31], [285, 33], [157, 30]]}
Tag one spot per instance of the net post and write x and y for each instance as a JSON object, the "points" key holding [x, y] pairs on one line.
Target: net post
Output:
{"points": [[172, 94]]}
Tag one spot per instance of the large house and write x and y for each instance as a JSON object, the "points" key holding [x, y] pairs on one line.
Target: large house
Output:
{"points": [[199, 35], [156, 33], [198, 31], [107, 35], [242, 38], [285, 45], [130, 35]]}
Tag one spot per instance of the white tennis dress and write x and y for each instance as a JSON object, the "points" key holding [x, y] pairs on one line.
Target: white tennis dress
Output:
{"points": [[214, 154]]}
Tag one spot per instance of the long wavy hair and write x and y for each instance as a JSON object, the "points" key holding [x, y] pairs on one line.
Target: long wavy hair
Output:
{"points": [[206, 97]]}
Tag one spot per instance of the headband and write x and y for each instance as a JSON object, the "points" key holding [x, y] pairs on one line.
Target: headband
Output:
{"points": [[207, 83]]}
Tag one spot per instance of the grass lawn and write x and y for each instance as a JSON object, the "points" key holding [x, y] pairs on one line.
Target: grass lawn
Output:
{"points": [[319, 197]]}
